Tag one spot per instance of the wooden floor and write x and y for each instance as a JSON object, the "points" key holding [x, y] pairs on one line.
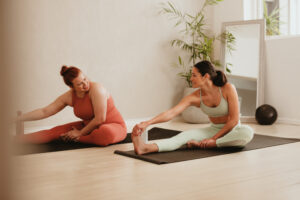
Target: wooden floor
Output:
{"points": [[97, 173]]}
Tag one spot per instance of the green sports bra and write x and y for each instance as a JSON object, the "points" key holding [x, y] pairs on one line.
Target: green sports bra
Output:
{"points": [[218, 111]]}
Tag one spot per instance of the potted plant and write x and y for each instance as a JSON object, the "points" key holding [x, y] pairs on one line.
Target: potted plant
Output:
{"points": [[272, 20], [198, 44]]}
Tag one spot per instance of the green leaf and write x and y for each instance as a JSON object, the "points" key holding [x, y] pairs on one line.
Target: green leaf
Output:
{"points": [[179, 59]]}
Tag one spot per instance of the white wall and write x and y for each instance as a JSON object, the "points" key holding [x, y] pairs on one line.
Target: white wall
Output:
{"points": [[125, 46], [282, 76], [282, 64], [122, 44]]}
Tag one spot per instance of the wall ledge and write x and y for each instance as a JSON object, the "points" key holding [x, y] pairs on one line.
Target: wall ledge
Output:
{"points": [[280, 120], [290, 121], [282, 37]]}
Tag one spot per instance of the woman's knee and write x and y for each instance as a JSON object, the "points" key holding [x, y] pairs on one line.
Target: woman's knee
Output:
{"points": [[246, 132], [239, 137], [108, 134]]}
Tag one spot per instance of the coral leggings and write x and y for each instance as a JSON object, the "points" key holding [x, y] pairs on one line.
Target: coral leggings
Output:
{"points": [[106, 134]]}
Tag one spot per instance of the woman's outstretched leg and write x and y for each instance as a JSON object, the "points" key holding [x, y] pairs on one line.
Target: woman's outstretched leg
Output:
{"points": [[45, 136], [172, 143]]}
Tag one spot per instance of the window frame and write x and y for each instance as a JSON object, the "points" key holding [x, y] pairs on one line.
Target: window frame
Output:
{"points": [[253, 9]]}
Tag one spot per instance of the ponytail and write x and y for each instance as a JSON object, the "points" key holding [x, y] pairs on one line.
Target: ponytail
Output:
{"points": [[220, 79]]}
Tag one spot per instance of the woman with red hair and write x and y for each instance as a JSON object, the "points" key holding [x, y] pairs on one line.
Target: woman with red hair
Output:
{"points": [[102, 124]]}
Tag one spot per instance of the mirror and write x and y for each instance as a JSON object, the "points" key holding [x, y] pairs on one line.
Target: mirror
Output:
{"points": [[245, 62]]}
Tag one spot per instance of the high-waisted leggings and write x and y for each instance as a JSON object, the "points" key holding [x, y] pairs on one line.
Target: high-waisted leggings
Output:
{"points": [[108, 133], [239, 136]]}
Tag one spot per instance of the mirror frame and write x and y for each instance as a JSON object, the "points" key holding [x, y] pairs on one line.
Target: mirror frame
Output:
{"points": [[260, 79]]}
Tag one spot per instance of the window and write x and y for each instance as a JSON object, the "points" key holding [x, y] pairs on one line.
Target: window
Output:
{"points": [[284, 15]]}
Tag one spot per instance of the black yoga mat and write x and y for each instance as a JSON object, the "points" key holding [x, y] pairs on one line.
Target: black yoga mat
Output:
{"points": [[258, 142], [24, 149]]}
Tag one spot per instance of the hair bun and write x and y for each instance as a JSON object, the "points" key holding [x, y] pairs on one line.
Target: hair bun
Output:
{"points": [[63, 70]]}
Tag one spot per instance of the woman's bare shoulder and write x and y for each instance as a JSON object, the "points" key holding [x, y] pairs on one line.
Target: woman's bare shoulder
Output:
{"points": [[228, 87], [193, 98], [97, 88], [68, 93], [66, 97]]}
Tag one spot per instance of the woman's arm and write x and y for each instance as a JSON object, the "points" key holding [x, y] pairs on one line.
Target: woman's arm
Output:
{"points": [[53, 108], [167, 115], [99, 97], [233, 111]]}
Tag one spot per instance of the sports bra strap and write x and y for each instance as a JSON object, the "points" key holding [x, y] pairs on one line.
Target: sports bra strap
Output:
{"points": [[220, 91]]}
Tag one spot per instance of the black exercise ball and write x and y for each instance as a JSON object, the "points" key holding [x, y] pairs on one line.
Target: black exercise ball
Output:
{"points": [[266, 114]]}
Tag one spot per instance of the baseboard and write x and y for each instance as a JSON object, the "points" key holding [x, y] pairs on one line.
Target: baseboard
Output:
{"points": [[247, 119], [36, 128], [282, 120]]}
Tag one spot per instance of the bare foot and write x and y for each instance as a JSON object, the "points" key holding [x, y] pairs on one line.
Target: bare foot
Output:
{"points": [[139, 146], [204, 144]]}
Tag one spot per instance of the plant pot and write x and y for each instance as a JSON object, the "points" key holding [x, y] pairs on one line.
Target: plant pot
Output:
{"points": [[193, 114]]}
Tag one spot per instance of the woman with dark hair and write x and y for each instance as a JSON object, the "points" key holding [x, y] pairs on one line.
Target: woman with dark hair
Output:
{"points": [[101, 124], [215, 97]]}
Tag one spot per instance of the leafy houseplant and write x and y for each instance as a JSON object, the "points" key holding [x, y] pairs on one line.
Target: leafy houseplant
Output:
{"points": [[196, 42], [272, 20]]}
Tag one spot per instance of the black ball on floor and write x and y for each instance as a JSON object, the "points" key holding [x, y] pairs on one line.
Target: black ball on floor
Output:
{"points": [[266, 114]]}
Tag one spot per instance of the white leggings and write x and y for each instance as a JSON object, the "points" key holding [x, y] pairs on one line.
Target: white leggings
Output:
{"points": [[239, 136]]}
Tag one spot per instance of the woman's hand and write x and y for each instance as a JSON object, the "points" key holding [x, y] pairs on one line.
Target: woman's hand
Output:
{"points": [[203, 144], [207, 143], [72, 135], [139, 128]]}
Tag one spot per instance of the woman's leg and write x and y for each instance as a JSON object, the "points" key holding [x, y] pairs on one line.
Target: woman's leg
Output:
{"points": [[173, 143], [106, 134], [49, 135], [239, 136]]}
